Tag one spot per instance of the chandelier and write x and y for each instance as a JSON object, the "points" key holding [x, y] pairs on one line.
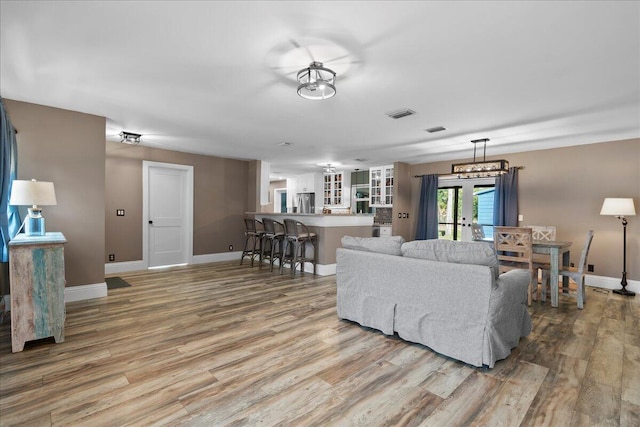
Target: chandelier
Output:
{"points": [[483, 169], [316, 82]]}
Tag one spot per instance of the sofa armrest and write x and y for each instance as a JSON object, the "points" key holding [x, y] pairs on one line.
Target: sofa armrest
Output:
{"points": [[516, 280]]}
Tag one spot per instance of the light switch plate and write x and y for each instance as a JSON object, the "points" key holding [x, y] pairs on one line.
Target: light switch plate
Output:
{"points": [[520, 218]]}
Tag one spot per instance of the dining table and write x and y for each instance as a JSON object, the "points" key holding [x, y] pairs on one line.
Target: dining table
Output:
{"points": [[554, 249]]}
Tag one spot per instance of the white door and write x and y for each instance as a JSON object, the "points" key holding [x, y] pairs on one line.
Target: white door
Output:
{"points": [[168, 213]]}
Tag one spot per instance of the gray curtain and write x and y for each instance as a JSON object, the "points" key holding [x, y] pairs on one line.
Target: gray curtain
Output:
{"points": [[428, 208], [505, 202], [9, 216]]}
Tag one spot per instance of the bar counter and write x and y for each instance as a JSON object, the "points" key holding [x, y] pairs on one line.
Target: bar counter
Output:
{"points": [[330, 229]]}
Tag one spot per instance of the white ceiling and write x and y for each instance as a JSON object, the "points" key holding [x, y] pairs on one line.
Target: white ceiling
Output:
{"points": [[218, 78]]}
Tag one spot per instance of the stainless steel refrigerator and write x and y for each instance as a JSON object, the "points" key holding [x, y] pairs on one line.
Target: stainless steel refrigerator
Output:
{"points": [[306, 202]]}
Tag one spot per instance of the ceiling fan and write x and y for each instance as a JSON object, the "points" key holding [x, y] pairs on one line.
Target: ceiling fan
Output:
{"points": [[301, 59]]}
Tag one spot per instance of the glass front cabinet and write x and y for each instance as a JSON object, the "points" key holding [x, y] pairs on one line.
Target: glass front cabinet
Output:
{"points": [[332, 189], [381, 186]]}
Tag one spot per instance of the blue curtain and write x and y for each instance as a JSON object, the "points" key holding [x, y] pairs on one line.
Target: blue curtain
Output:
{"points": [[428, 208], [505, 202], [9, 216]]}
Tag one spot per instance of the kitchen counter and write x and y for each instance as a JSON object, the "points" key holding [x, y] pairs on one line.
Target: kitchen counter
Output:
{"points": [[322, 220], [330, 229]]}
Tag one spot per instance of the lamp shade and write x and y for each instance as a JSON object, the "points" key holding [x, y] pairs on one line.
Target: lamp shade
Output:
{"points": [[24, 193], [618, 207]]}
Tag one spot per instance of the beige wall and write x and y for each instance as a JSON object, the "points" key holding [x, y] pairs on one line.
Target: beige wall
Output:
{"points": [[67, 148], [401, 200], [565, 187], [221, 197]]}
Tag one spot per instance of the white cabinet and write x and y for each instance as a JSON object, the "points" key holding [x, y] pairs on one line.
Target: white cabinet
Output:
{"points": [[307, 183], [333, 189], [381, 186]]}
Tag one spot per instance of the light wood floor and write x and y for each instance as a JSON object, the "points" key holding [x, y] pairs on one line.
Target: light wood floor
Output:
{"points": [[223, 344]]}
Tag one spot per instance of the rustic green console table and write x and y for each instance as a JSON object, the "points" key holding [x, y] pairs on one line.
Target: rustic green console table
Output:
{"points": [[36, 268]]}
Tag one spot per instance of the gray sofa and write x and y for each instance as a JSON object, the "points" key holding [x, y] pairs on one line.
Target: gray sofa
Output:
{"points": [[446, 295]]}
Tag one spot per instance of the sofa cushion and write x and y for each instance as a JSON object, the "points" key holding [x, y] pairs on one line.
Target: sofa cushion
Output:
{"points": [[384, 245], [478, 253]]}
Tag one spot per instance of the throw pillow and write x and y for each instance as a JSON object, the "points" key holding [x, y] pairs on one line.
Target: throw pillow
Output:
{"points": [[478, 253], [383, 245]]}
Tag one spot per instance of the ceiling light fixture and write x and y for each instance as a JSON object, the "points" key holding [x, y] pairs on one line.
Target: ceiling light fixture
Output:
{"points": [[329, 168], [316, 82], [483, 169], [130, 138]]}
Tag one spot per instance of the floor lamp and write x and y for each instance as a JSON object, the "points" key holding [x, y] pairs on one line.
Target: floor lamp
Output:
{"points": [[621, 208]]}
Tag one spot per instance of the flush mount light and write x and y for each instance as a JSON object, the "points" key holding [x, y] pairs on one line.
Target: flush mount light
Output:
{"points": [[130, 138], [481, 169], [316, 82], [329, 169]]}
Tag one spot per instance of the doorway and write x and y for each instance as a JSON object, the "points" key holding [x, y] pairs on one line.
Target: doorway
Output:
{"points": [[167, 214], [462, 202], [280, 200]]}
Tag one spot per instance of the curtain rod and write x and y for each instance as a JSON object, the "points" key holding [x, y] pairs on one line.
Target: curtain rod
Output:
{"points": [[453, 174]]}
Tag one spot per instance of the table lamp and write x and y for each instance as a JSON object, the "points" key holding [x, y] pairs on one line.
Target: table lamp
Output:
{"points": [[33, 193], [621, 208]]}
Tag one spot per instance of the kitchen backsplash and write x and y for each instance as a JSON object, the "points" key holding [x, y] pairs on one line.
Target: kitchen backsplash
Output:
{"points": [[383, 215]]}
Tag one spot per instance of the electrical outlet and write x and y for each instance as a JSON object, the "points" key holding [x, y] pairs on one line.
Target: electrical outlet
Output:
{"points": [[119, 212], [112, 257], [590, 268], [230, 248]]}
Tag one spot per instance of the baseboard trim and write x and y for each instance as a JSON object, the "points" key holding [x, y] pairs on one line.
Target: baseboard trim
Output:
{"points": [[611, 283], [223, 256], [124, 267], [74, 293], [84, 292]]}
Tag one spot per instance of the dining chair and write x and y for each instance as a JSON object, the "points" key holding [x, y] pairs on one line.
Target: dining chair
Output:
{"points": [[542, 233], [513, 247], [477, 232], [545, 233], [577, 274]]}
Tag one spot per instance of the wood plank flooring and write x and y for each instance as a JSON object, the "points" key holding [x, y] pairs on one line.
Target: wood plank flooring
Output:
{"points": [[222, 344]]}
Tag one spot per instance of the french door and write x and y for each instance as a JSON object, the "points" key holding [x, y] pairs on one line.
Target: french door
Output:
{"points": [[462, 202]]}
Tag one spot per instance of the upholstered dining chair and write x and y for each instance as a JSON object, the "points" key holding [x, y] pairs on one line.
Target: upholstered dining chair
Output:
{"points": [[575, 274], [513, 247]]}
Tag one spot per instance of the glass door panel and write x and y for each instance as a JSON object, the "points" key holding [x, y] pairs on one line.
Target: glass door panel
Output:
{"points": [[462, 202]]}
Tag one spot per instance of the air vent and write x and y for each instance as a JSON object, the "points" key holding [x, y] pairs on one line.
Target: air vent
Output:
{"points": [[400, 113], [436, 129], [359, 160], [286, 144]]}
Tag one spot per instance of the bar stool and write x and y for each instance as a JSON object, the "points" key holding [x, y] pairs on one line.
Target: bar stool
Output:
{"points": [[252, 239], [274, 236], [296, 237]]}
